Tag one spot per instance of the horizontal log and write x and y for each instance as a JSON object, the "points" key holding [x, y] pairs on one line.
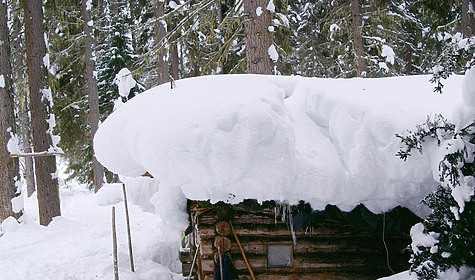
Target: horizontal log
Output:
{"points": [[265, 232], [300, 265], [312, 276], [254, 219], [303, 247], [186, 267], [38, 154]]}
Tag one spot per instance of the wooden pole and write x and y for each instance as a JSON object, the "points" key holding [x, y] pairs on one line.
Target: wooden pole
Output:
{"points": [[114, 246], [194, 260], [131, 256], [220, 263], [39, 154], [242, 252]]}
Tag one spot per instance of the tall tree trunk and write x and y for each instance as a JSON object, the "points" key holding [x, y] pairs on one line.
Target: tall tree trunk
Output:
{"points": [[257, 36], [162, 66], [41, 111], [92, 93], [408, 47], [132, 5], [26, 144], [468, 18], [357, 24], [22, 95], [174, 60], [8, 166]]}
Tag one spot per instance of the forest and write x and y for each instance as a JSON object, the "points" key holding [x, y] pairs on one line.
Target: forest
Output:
{"points": [[62, 63]]}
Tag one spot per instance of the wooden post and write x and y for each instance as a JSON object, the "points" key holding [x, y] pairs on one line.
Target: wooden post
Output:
{"points": [[131, 256], [242, 252], [114, 246], [220, 263], [194, 260]]}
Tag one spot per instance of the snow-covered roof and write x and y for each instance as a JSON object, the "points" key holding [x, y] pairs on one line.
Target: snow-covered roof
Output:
{"points": [[325, 141]]}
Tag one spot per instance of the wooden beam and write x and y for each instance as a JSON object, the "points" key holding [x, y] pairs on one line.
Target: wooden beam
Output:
{"points": [[39, 154]]}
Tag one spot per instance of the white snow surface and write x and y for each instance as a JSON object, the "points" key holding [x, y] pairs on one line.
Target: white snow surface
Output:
{"points": [[270, 6], [325, 141], [273, 55], [78, 245], [13, 144], [259, 11], [388, 53], [2, 81]]}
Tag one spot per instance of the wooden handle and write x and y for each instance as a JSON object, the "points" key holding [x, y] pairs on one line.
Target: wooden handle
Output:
{"points": [[114, 246], [129, 237], [242, 252]]}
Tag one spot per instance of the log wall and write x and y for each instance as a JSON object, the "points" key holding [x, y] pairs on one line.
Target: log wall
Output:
{"points": [[330, 251]]}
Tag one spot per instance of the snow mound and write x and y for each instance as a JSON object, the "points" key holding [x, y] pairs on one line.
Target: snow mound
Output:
{"points": [[78, 244], [325, 141]]}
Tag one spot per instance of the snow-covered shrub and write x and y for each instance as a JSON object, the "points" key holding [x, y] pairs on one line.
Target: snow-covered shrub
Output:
{"points": [[445, 240]]}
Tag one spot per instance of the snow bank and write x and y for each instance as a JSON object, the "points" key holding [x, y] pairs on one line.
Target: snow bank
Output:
{"points": [[78, 245], [326, 141]]}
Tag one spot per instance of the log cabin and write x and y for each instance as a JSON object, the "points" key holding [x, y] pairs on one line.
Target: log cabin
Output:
{"points": [[295, 242], [274, 138]]}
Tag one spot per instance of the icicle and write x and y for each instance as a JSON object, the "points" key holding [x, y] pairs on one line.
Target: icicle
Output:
{"points": [[275, 215], [284, 212], [291, 223]]}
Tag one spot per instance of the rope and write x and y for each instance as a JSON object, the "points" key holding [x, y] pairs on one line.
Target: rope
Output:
{"points": [[385, 246]]}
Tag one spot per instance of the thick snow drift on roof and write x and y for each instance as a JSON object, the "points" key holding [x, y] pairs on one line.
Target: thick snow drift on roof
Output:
{"points": [[324, 141]]}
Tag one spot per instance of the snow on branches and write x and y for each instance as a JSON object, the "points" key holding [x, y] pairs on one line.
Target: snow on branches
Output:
{"points": [[444, 241]]}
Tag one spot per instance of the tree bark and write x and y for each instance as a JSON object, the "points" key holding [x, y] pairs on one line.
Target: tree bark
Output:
{"points": [[357, 24], [41, 111], [174, 60], [468, 18], [257, 36], [8, 166], [92, 93], [408, 47], [22, 94], [162, 66]]}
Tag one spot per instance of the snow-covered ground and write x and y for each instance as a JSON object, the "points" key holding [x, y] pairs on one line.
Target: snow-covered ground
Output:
{"points": [[78, 245]]}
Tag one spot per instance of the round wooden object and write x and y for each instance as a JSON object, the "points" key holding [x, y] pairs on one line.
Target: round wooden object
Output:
{"points": [[223, 243], [223, 228]]}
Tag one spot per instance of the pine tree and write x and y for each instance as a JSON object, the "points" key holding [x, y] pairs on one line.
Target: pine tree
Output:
{"points": [[8, 166], [42, 117], [448, 231], [116, 53], [21, 92], [66, 43], [92, 92]]}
